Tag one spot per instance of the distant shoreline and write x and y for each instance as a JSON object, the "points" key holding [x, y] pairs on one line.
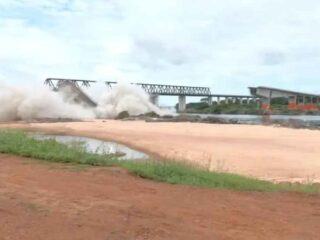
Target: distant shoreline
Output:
{"points": [[288, 121]]}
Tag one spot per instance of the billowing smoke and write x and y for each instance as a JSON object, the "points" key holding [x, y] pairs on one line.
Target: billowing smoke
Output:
{"points": [[125, 98], [24, 104]]}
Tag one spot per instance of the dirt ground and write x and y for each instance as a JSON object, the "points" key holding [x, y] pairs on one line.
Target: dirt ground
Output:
{"points": [[53, 201], [266, 152]]}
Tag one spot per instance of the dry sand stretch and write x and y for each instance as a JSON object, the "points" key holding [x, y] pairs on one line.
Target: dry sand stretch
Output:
{"points": [[278, 154]]}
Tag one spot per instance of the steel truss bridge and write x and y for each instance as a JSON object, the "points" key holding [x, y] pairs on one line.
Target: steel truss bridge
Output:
{"points": [[154, 90], [172, 90]]}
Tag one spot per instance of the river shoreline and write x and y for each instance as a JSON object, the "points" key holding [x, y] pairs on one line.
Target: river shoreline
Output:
{"points": [[296, 121]]}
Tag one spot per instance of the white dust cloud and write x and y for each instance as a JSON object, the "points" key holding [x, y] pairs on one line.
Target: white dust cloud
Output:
{"points": [[25, 104], [125, 98]]}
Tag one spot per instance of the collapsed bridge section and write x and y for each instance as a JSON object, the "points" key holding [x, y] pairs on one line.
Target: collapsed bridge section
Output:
{"points": [[71, 90]]}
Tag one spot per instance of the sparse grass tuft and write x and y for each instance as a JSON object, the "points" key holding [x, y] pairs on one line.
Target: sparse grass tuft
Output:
{"points": [[182, 173], [19, 143]]}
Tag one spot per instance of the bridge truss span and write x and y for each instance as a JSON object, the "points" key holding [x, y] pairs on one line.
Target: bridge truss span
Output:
{"points": [[173, 90], [71, 87], [55, 83], [154, 91]]}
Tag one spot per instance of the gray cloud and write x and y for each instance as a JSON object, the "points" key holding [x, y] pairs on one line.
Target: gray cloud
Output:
{"points": [[224, 44], [273, 58]]}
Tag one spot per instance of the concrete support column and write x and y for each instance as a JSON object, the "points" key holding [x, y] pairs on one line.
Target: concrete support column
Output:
{"points": [[226, 100], [295, 100], [218, 100], [154, 99], [265, 103], [182, 103], [298, 100], [270, 98], [248, 100], [210, 101], [241, 101]]}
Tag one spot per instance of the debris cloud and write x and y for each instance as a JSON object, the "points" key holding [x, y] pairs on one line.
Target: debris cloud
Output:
{"points": [[27, 104], [128, 98]]}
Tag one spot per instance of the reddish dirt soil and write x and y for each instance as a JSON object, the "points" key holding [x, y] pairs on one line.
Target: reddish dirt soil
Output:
{"points": [[53, 201]]}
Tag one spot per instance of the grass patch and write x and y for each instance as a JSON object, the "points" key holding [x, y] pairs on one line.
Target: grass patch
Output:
{"points": [[181, 173], [19, 143]]}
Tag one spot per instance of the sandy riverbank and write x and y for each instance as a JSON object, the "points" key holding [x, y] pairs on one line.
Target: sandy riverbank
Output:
{"points": [[272, 153]]}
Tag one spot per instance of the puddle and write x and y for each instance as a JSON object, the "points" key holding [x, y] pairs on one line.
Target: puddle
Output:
{"points": [[98, 146]]}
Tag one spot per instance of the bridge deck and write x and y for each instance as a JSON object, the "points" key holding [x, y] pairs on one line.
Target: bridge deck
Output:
{"points": [[153, 89], [232, 96]]}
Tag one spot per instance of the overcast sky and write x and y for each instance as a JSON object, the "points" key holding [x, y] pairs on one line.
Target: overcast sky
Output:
{"points": [[226, 45]]}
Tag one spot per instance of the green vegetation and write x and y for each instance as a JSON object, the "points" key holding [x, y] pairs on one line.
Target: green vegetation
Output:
{"points": [[223, 108], [181, 173], [19, 143], [278, 106]]}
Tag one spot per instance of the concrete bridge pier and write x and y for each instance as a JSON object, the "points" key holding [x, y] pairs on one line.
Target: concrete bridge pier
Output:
{"points": [[182, 103], [218, 100], [210, 101]]}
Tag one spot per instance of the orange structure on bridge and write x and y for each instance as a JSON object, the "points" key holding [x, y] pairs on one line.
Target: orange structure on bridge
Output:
{"points": [[296, 100]]}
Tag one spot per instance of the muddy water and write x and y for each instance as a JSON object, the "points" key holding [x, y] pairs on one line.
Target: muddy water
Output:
{"points": [[98, 146]]}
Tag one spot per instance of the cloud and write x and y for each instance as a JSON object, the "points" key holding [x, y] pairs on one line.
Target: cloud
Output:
{"points": [[227, 45]]}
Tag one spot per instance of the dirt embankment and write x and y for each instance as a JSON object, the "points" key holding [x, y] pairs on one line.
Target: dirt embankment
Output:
{"points": [[278, 154], [53, 201]]}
